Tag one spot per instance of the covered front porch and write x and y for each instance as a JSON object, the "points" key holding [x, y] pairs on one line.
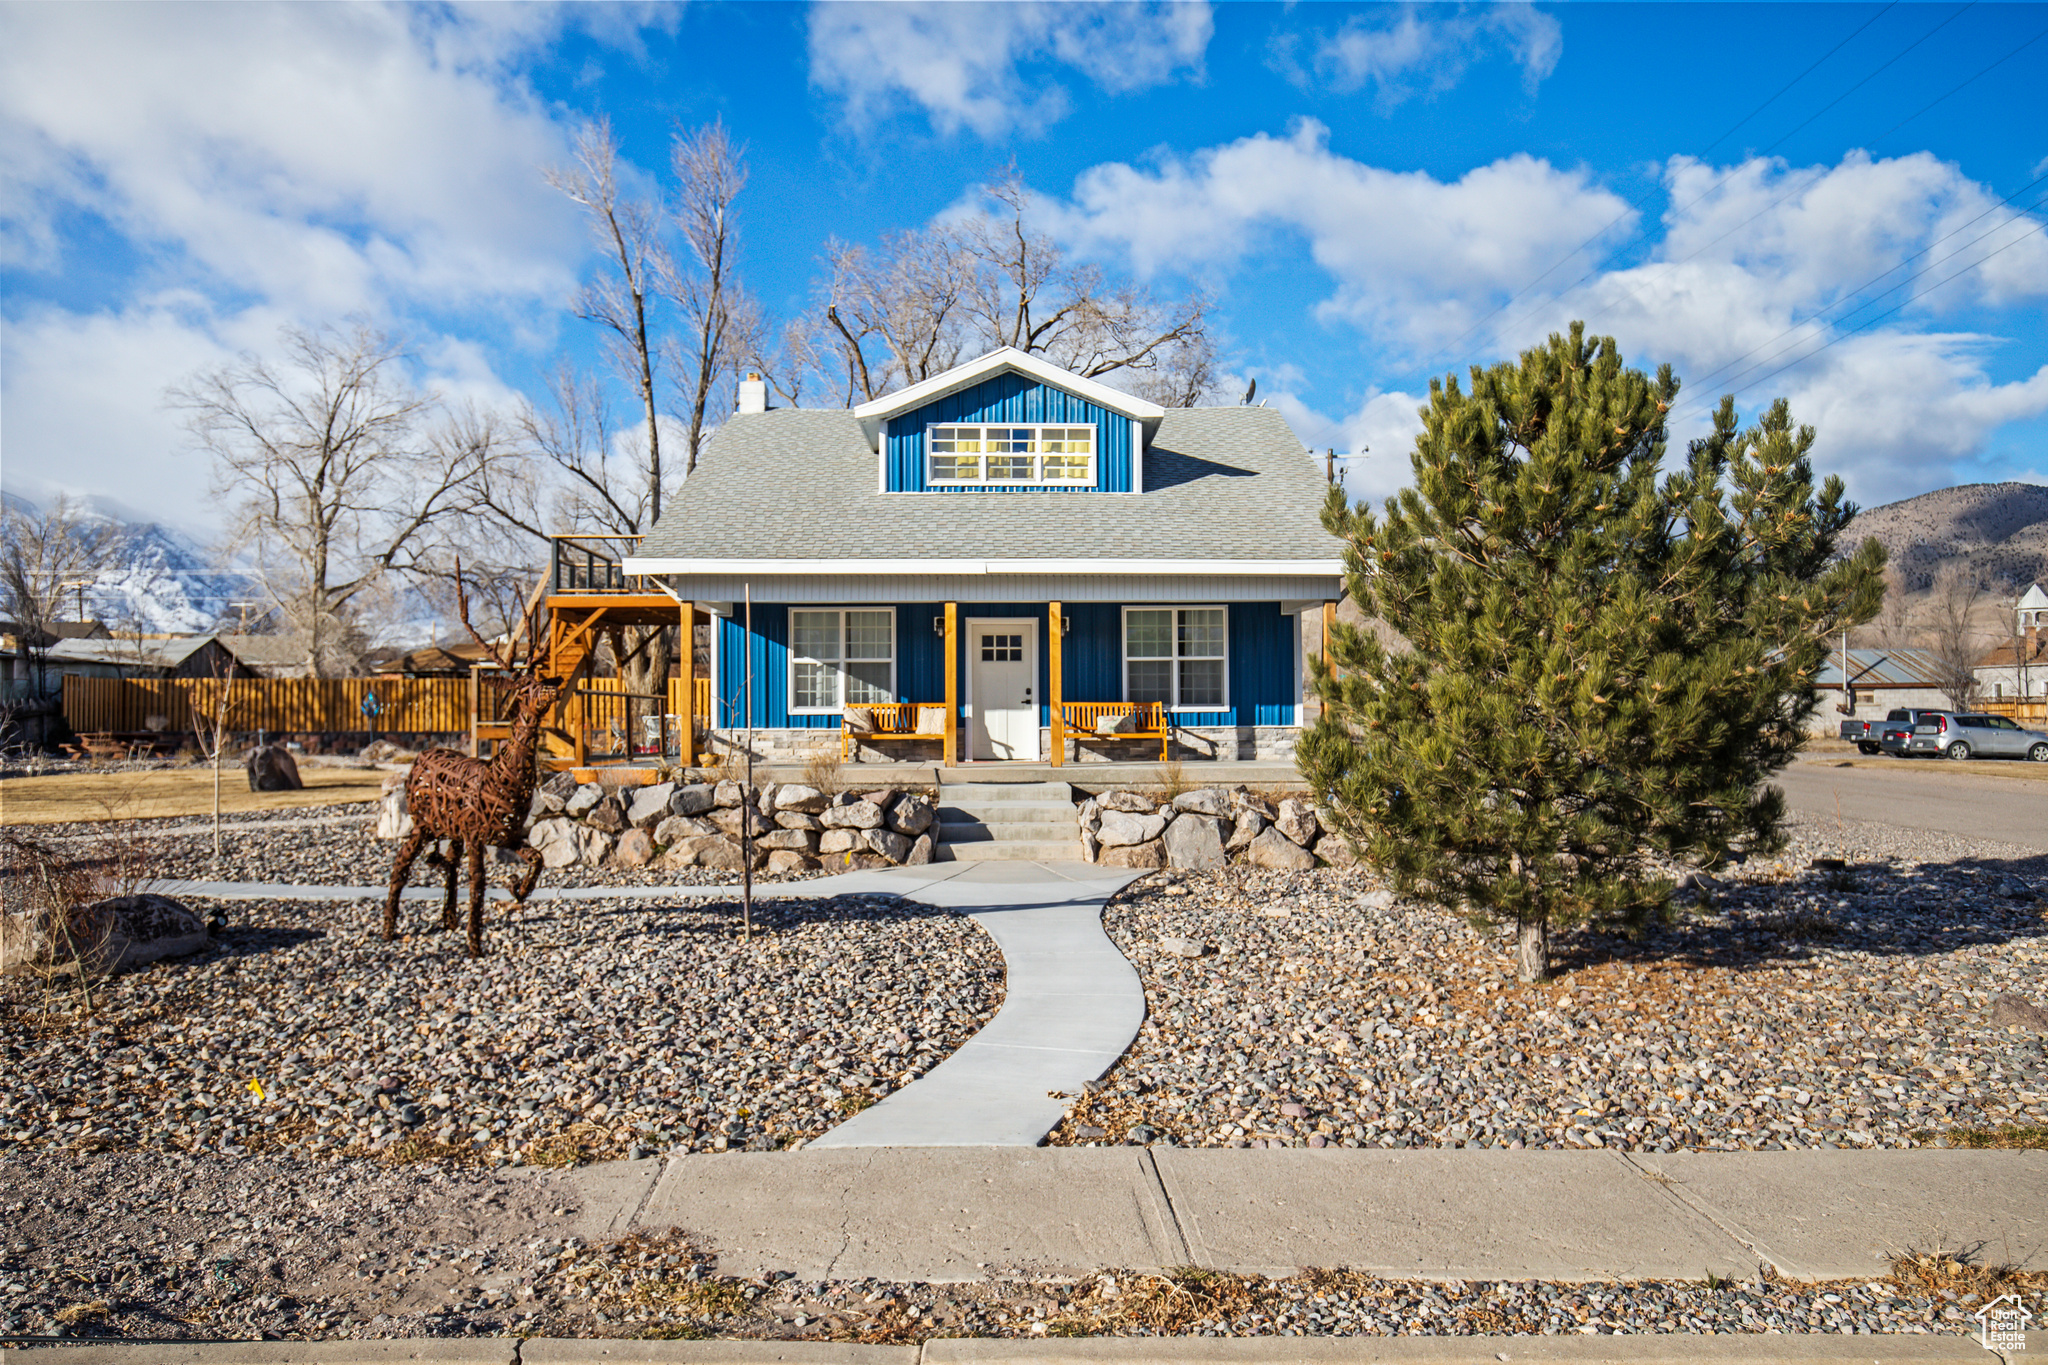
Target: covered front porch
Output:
{"points": [[1192, 672]]}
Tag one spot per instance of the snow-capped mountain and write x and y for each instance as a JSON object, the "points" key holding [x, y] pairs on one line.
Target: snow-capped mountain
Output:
{"points": [[157, 579]]}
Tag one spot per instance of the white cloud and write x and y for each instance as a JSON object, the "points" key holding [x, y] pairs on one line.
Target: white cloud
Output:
{"points": [[1414, 259], [1398, 51], [259, 165], [959, 62], [326, 158]]}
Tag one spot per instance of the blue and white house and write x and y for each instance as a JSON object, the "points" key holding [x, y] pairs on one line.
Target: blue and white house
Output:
{"points": [[1006, 562]]}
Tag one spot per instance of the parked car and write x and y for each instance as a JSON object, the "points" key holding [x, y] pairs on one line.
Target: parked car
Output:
{"points": [[1960, 735], [1982, 736], [1910, 730], [1863, 734]]}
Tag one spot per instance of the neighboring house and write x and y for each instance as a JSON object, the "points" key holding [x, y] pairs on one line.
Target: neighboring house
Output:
{"points": [[434, 661], [1020, 513], [1879, 679], [2017, 667], [268, 656], [17, 651], [190, 656]]}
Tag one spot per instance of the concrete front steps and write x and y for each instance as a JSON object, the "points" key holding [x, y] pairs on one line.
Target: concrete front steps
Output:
{"points": [[1030, 821]]}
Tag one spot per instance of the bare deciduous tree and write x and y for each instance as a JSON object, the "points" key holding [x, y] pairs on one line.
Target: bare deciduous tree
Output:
{"points": [[721, 323], [44, 556], [1953, 632], [628, 231], [332, 485], [927, 298]]}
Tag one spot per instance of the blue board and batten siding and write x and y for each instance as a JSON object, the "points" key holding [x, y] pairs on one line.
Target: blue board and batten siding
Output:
{"points": [[1262, 664], [1009, 398]]}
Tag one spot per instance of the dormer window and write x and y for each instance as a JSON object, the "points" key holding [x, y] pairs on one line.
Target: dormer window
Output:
{"points": [[1009, 456]]}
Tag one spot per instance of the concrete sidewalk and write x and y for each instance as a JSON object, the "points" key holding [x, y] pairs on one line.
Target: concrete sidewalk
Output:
{"points": [[1757, 1349], [946, 1214]]}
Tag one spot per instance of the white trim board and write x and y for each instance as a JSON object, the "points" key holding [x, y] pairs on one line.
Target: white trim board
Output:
{"points": [[994, 363], [1182, 568]]}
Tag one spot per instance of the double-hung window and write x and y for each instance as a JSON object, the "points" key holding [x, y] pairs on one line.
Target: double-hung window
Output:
{"points": [[841, 657], [1177, 655], [1009, 456]]}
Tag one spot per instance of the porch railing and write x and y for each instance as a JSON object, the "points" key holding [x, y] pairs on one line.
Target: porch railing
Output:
{"points": [[577, 565]]}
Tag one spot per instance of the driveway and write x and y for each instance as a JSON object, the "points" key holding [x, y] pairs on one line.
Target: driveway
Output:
{"points": [[1928, 794]]}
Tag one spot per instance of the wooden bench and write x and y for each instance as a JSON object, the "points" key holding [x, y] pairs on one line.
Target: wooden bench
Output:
{"points": [[893, 721], [1077, 720], [97, 744]]}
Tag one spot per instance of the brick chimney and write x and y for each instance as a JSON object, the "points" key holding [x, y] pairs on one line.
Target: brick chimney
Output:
{"points": [[753, 394]]}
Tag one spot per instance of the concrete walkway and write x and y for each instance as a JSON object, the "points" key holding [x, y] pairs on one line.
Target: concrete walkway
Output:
{"points": [[1071, 1003], [965, 1213]]}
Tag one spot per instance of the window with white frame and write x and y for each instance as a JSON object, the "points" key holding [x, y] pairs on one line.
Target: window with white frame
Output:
{"points": [[1177, 655], [841, 656], [991, 455]]}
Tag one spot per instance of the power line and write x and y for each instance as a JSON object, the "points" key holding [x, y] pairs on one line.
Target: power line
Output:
{"points": [[1510, 301], [1863, 327], [1732, 173], [1711, 376]]}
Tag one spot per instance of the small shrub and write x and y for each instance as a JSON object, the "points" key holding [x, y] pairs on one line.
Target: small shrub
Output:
{"points": [[821, 770]]}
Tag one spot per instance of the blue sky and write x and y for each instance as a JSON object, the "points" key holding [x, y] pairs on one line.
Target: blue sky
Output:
{"points": [[1372, 195]]}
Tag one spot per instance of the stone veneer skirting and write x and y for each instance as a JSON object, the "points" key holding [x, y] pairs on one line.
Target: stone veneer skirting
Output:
{"points": [[1193, 743]]}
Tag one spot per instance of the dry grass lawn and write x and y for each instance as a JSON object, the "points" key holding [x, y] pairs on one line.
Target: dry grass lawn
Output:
{"points": [[61, 798]]}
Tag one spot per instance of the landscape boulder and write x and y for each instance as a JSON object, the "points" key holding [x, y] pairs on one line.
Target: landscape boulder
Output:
{"points": [[1250, 825], [1204, 801], [1297, 820], [1194, 843], [787, 840], [1275, 851], [1128, 801], [2013, 1011], [796, 819], [583, 800], [1147, 855], [840, 841], [557, 841], [609, 816], [800, 800], [677, 828], [783, 861], [394, 821], [1334, 849], [727, 793], [912, 815], [561, 786], [860, 814], [593, 846], [889, 844], [272, 768], [634, 849], [692, 799], [107, 936], [730, 818], [1121, 829], [921, 850], [543, 804], [649, 804]]}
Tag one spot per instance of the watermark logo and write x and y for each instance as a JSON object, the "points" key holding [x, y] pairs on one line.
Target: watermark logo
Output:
{"points": [[2002, 1324]]}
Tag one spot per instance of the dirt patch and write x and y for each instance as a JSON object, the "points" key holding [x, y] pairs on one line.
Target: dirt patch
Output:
{"points": [[67, 798]]}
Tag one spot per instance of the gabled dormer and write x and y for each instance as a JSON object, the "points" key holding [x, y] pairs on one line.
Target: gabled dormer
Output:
{"points": [[1009, 422]]}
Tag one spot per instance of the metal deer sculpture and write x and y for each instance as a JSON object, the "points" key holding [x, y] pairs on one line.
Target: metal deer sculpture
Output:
{"points": [[476, 803]]}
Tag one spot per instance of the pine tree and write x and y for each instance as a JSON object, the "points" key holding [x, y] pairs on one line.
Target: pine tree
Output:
{"points": [[1606, 664]]}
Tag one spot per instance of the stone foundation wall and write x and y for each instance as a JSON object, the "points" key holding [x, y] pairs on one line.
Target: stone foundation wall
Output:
{"points": [[787, 827], [1206, 829]]}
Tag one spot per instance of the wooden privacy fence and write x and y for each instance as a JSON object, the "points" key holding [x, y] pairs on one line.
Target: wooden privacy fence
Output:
{"points": [[2031, 714], [277, 705]]}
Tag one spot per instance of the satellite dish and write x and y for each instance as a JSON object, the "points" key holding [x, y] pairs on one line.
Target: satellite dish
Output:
{"points": [[1249, 392]]}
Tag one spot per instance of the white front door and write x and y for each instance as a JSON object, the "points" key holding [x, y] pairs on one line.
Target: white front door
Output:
{"points": [[1002, 703]]}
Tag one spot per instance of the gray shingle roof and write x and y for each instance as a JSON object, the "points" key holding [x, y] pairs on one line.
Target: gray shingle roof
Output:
{"points": [[1220, 483]]}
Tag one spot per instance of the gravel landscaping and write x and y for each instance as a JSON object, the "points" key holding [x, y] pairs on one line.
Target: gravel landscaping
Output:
{"points": [[594, 1029], [156, 1245], [1882, 1005]]}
